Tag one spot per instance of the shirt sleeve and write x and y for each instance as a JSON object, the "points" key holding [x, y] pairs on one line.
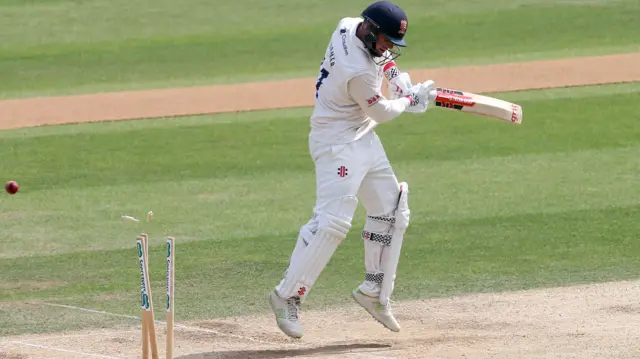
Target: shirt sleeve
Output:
{"points": [[363, 90]]}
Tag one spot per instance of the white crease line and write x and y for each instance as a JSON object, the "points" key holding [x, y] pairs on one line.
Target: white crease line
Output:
{"points": [[196, 329], [118, 332], [91, 310], [16, 342]]}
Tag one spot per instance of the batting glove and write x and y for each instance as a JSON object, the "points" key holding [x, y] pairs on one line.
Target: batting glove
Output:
{"points": [[399, 86], [419, 96]]}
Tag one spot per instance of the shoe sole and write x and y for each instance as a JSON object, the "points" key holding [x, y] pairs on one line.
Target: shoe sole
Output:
{"points": [[353, 295]]}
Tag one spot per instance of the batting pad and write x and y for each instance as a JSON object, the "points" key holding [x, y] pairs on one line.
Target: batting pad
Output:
{"points": [[301, 277], [390, 265]]}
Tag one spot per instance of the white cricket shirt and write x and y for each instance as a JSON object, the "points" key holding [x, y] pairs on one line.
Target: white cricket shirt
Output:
{"points": [[349, 102]]}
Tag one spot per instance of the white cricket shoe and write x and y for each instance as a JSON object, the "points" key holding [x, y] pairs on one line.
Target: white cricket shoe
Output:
{"points": [[287, 313], [381, 313]]}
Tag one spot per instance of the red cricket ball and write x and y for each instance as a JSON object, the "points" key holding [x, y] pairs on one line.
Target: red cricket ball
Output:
{"points": [[11, 187]]}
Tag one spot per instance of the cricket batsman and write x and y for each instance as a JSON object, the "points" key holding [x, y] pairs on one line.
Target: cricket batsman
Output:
{"points": [[351, 164]]}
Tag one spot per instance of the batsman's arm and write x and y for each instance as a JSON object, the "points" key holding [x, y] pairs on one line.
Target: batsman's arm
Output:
{"points": [[399, 85], [363, 90]]}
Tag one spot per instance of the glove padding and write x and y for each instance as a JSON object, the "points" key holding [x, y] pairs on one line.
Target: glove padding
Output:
{"points": [[400, 86], [420, 96]]}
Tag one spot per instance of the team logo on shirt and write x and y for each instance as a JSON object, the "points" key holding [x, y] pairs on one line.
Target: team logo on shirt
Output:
{"points": [[343, 34], [373, 100], [342, 171]]}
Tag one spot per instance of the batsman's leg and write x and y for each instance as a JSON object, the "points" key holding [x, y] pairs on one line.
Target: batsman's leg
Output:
{"points": [[336, 203], [387, 218]]}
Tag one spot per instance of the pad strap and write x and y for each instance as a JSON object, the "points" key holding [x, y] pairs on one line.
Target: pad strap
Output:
{"points": [[382, 238], [374, 277], [383, 219]]}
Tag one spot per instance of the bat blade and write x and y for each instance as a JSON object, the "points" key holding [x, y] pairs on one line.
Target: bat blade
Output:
{"points": [[476, 104]]}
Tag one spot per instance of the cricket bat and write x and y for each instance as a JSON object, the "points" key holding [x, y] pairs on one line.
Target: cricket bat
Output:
{"points": [[475, 104]]}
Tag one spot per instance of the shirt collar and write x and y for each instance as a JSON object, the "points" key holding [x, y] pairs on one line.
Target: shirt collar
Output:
{"points": [[359, 43]]}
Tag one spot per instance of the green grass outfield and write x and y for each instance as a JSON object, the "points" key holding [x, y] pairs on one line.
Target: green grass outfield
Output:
{"points": [[494, 206], [65, 46]]}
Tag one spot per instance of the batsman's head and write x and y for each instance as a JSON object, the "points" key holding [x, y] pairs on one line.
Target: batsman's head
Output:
{"points": [[387, 25]]}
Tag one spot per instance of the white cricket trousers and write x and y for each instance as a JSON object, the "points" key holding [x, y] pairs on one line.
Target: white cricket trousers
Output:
{"points": [[360, 169]]}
